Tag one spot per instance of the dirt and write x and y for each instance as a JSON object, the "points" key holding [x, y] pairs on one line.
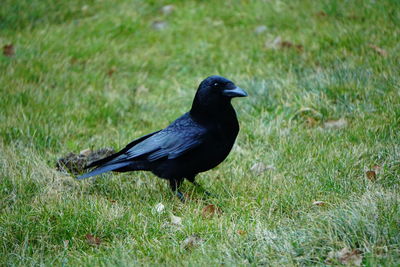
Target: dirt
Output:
{"points": [[75, 163]]}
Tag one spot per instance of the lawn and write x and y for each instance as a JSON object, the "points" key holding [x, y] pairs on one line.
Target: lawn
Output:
{"points": [[315, 171]]}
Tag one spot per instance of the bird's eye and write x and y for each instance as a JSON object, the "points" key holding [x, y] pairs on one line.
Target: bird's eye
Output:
{"points": [[215, 84]]}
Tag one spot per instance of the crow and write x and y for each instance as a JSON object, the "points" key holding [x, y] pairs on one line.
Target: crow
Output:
{"points": [[196, 142]]}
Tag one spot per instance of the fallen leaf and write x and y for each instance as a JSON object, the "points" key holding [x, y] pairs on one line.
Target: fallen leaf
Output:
{"points": [[371, 175], [299, 47], [241, 232], [274, 44], [319, 203], [8, 50], [168, 9], [111, 71], [85, 152], [141, 90], [260, 167], [346, 257], [210, 210], [311, 122], [93, 240], [217, 23], [286, 44], [159, 208], [331, 124], [159, 25], [321, 14], [175, 220], [377, 169], [260, 29], [279, 43], [378, 50], [191, 242], [66, 243], [74, 60]]}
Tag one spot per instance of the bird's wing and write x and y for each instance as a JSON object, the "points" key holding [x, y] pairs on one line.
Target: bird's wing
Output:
{"points": [[171, 142], [127, 147]]}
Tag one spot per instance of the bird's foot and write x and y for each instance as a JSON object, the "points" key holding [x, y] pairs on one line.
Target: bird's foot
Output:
{"points": [[208, 194], [180, 196]]}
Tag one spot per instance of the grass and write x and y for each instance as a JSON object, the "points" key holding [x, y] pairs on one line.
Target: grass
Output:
{"points": [[73, 83]]}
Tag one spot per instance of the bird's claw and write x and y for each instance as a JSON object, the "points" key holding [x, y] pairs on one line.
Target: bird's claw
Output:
{"points": [[180, 196]]}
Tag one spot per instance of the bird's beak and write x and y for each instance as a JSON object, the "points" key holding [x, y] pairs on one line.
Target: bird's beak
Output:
{"points": [[236, 92]]}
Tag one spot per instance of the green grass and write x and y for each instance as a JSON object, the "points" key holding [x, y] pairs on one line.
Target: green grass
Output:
{"points": [[56, 97]]}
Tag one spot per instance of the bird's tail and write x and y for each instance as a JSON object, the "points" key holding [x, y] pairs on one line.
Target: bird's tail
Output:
{"points": [[103, 169]]}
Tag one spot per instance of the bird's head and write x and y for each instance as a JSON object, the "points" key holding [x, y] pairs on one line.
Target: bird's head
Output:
{"points": [[215, 92]]}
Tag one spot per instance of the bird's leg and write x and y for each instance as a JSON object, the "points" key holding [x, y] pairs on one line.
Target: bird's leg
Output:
{"points": [[175, 184], [193, 181]]}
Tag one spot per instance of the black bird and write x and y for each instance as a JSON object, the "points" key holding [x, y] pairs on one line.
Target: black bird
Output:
{"points": [[195, 142]]}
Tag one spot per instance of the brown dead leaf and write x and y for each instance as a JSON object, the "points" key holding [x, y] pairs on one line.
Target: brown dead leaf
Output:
{"points": [[311, 122], [321, 14], [241, 232], [279, 43], [299, 47], [191, 242], [371, 175], [93, 240], [345, 256], [378, 50], [8, 50], [210, 210], [74, 60], [332, 124], [111, 71], [286, 44], [319, 203]]}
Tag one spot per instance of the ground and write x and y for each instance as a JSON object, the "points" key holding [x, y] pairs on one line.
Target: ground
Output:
{"points": [[315, 169]]}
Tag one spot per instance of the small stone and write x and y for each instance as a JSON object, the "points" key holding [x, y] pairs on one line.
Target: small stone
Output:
{"points": [[175, 220], [336, 124], [168, 9], [260, 29], [159, 25], [159, 208], [192, 242], [142, 90], [260, 167]]}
